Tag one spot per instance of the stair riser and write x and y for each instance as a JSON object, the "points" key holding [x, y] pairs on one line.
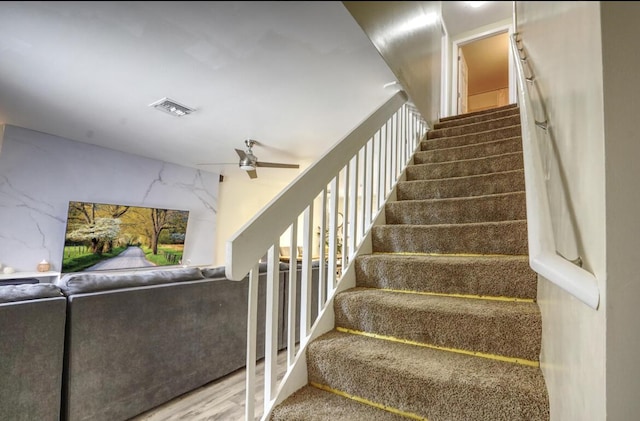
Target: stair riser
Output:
{"points": [[470, 139], [508, 329], [474, 127], [495, 208], [489, 238], [476, 119], [495, 277], [309, 403], [483, 114], [509, 145], [498, 163], [461, 187], [422, 383]]}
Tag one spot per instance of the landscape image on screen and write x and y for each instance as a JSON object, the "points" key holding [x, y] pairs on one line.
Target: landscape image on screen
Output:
{"points": [[109, 236]]}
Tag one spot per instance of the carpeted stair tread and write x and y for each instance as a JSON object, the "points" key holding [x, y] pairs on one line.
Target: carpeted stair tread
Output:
{"points": [[466, 167], [474, 185], [504, 237], [482, 113], [507, 328], [472, 138], [438, 385], [496, 147], [442, 324], [313, 404], [492, 276], [461, 121], [488, 208], [479, 126]]}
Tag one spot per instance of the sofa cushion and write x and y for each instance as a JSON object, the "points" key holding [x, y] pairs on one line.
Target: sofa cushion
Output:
{"points": [[9, 293], [76, 283]]}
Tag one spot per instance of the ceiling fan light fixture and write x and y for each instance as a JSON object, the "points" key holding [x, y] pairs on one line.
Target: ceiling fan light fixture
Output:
{"points": [[247, 164]]}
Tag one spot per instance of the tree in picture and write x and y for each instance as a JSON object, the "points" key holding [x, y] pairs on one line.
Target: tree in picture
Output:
{"points": [[96, 224]]}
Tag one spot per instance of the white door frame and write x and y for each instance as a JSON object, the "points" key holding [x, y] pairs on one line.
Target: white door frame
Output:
{"points": [[445, 72], [459, 42], [462, 95]]}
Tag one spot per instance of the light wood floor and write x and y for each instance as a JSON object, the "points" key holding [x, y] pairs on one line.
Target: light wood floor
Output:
{"points": [[222, 400]]}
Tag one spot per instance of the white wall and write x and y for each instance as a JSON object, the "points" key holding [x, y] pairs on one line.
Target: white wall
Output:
{"points": [[490, 99], [408, 36], [243, 198], [563, 43], [620, 35], [41, 173]]}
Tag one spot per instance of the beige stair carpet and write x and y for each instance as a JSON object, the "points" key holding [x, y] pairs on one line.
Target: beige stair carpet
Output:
{"points": [[442, 324]]}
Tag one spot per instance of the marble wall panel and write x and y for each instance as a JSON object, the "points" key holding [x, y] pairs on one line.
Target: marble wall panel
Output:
{"points": [[41, 173]]}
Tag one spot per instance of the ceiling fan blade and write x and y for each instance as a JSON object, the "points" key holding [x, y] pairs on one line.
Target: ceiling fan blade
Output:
{"points": [[252, 174], [276, 165], [217, 163], [241, 153]]}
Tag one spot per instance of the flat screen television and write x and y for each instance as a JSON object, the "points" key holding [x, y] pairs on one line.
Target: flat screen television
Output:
{"points": [[102, 236]]}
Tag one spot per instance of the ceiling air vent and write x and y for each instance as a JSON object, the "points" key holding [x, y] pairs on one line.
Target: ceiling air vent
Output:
{"points": [[169, 106]]}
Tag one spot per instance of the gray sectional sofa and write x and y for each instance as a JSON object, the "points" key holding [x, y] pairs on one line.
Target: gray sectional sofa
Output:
{"points": [[32, 323], [111, 345]]}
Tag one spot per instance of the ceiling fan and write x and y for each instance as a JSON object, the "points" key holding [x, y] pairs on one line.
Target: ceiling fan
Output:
{"points": [[249, 162]]}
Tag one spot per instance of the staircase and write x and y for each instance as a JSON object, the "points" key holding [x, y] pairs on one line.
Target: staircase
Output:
{"points": [[443, 323]]}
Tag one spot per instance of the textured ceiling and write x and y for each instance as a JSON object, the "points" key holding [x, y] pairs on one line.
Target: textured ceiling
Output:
{"points": [[460, 17], [296, 75]]}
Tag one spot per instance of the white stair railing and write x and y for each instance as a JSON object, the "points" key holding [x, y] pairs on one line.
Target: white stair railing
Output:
{"points": [[339, 195], [562, 270]]}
